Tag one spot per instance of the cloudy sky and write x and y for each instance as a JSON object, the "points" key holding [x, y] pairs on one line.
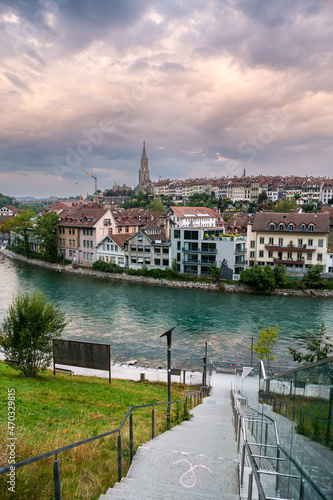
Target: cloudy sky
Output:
{"points": [[211, 85]]}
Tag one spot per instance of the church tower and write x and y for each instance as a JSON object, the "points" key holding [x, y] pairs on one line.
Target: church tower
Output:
{"points": [[144, 179]]}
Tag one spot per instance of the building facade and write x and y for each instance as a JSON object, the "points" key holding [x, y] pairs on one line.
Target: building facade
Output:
{"points": [[295, 240]]}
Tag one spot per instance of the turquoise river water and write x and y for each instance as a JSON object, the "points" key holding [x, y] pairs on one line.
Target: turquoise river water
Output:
{"points": [[133, 316]]}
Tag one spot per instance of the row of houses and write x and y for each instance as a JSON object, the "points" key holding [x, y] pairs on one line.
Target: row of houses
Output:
{"points": [[307, 190], [195, 238]]}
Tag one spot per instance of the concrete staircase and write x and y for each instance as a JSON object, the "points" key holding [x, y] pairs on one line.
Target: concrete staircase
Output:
{"points": [[197, 459]]}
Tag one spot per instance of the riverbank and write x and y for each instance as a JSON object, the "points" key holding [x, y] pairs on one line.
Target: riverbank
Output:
{"points": [[213, 287]]}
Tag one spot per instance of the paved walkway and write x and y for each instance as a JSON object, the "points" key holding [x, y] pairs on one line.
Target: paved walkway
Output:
{"points": [[197, 459]]}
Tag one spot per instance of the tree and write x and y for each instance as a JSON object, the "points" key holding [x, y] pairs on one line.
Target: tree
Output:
{"points": [[46, 235], [285, 206], [21, 225], [262, 197], [156, 205], [313, 277], [317, 344], [258, 277], [215, 272], [28, 330], [266, 339]]}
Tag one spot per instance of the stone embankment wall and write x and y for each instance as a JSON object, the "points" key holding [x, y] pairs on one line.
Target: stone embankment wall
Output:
{"points": [[214, 287]]}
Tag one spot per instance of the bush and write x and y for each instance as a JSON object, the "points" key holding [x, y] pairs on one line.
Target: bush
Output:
{"points": [[28, 330], [259, 278], [107, 267], [313, 277]]}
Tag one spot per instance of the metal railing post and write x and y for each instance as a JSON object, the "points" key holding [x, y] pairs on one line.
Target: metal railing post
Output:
{"points": [[238, 434], [277, 468], [242, 465], [249, 494], [153, 423], [119, 458], [168, 416], [131, 435], [56, 476]]}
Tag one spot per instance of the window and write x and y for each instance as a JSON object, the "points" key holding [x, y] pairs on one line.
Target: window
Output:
{"points": [[133, 248], [73, 243], [178, 245], [70, 243], [300, 242], [115, 248], [311, 227], [319, 257], [166, 250], [84, 232], [73, 231], [111, 248], [126, 229], [310, 243], [133, 230], [157, 262], [158, 250], [140, 238], [280, 242], [178, 257], [309, 256], [103, 246], [70, 253], [84, 244], [303, 227], [252, 244], [108, 247], [191, 235], [91, 232], [120, 230], [147, 248], [261, 253], [84, 255], [91, 256], [320, 243], [271, 227], [252, 255], [281, 227], [147, 261], [165, 262], [270, 255], [91, 244], [291, 227], [290, 255], [140, 248], [177, 233], [133, 260], [262, 240], [271, 241], [70, 231]]}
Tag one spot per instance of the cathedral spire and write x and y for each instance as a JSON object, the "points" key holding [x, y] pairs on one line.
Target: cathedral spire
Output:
{"points": [[144, 180]]}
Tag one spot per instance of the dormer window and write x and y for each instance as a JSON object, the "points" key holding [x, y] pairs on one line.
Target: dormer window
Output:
{"points": [[281, 226], [303, 227], [311, 227], [271, 227], [291, 227]]}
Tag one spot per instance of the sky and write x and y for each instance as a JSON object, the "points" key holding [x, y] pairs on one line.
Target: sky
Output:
{"points": [[210, 85]]}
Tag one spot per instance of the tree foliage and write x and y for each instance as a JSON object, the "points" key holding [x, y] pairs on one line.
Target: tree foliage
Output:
{"points": [[46, 235], [285, 206], [318, 346], [258, 277], [266, 339], [156, 205], [313, 277], [21, 225], [31, 324]]}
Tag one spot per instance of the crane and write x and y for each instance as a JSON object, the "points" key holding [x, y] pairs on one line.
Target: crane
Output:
{"points": [[94, 177]]}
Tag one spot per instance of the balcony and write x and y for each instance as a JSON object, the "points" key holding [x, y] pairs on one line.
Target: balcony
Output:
{"points": [[198, 250], [208, 250], [303, 248], [195, 262], [276, 260]]}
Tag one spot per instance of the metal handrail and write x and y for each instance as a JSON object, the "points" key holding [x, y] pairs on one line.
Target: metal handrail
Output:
{"points": [[197, 396]]}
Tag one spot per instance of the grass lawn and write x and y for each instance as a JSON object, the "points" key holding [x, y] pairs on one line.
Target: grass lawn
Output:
{"points": [[54, 411]]}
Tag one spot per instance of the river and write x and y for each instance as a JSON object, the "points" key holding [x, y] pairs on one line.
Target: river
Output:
{"points": [[132, 316]]}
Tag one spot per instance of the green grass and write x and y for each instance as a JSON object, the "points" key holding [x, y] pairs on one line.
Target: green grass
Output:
{"points": [[54, 411]]}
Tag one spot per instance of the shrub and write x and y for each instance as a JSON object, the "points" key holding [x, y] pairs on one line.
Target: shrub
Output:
{"points": [[28, 330]]}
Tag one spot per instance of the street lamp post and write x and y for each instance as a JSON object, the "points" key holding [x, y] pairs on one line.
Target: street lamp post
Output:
{"points": [[168, 336]]}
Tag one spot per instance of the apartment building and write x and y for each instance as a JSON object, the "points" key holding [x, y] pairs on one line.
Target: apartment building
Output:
{"points": [[294, 240], [197, 250], [194, 217], [148, 247]]}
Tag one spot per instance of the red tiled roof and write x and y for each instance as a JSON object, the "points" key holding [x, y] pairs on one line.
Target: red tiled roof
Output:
{"points": [[261, 220]]}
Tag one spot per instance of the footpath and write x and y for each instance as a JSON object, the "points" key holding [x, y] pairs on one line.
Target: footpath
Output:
{"points": [[196, 459]]}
